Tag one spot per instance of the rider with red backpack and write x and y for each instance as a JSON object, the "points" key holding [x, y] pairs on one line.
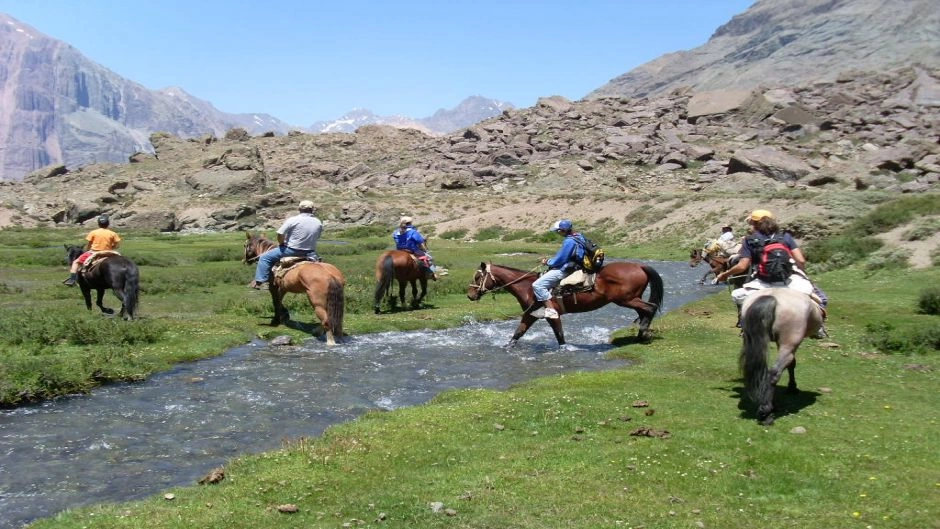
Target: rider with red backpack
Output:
{"points": [[774, 256]]}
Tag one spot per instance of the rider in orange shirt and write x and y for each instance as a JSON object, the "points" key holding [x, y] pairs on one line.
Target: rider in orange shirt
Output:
{"points": [[99, 240]]}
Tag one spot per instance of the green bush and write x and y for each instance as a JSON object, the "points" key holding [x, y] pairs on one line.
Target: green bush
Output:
{"points": [[517, 235], [454, 234], [922, 230], [888, 258], [489, 234], [888, 339], [929, 301]]}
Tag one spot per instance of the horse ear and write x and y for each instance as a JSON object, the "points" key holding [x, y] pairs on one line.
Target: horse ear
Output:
{"points": [[482, 265], [248, 235]]}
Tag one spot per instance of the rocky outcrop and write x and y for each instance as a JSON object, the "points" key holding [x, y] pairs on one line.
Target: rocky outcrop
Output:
{"points": [[792, 41]]}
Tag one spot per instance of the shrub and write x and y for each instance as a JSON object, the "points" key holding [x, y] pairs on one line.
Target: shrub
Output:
{"points": [[888, 258], [488, 234], [454, 234], [929, 301], [887, 339], [922, 230]]}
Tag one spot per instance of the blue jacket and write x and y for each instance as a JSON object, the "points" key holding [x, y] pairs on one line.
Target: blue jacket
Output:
{"points": [[410, 241], [570, 255]]}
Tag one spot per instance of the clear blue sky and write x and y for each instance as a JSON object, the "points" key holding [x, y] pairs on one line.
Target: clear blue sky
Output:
{"points": [[308, 60]]}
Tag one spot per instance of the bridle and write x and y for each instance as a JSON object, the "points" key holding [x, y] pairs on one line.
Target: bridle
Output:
{"points": [[486, 274], [254, 246]]}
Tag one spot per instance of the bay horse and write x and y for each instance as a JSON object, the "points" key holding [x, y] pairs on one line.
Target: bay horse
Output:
{"points": [[780, 315], [401, 266], [620, 282], [114, 271], [323, 284]]}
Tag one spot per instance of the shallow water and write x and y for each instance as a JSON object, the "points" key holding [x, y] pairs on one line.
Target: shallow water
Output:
{"points": [[129, 441]]}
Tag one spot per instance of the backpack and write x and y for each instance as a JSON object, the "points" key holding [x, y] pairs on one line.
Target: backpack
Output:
{"points": [[593, 258], [772, 257]]}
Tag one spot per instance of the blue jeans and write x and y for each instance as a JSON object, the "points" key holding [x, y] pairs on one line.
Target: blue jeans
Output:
{"points": [[269, 258], [546, 282]]}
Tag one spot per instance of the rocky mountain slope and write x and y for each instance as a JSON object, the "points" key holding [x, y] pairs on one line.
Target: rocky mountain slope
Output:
{"points": [[792, 41], [60, 107]]}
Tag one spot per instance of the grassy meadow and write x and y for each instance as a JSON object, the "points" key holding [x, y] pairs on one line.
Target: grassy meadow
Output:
{"points": [[662, 443]]}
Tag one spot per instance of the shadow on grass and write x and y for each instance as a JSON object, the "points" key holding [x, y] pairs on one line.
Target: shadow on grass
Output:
{"points": [[785, 403]]}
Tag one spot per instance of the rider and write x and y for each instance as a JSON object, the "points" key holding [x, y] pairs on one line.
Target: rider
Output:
{"points": [[407, 238], [98, 240], [563, 263], [727, 234], [297, 237], [765, 226]]}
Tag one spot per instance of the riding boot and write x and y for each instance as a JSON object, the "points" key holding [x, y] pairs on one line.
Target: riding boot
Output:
{"points": [[537, 310], [71, 280]]}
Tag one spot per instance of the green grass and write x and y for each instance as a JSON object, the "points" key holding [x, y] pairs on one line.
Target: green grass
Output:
{"points": [[559, 451]]}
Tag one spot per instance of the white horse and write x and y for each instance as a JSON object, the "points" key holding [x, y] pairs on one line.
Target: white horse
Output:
{"points": [[781, 315]]}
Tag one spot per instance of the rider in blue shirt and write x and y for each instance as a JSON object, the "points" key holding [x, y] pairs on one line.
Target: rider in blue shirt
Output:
{"points": [[568, 259], [408, 238]]}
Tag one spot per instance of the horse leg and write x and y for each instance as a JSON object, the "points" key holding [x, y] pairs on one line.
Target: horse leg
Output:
{"points": [[415, 300], [324, 321], [791, 384], [645, 311], [86, 293], [555, 324], [524, 324], [100, 303], [280, 313]]}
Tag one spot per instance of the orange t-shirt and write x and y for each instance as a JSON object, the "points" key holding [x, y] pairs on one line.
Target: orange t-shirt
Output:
{"points": [[102, 239]]}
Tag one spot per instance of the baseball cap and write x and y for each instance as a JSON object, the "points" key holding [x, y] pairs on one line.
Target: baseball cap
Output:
{"points": [[306, 204], [563, 224], [404, 221]]}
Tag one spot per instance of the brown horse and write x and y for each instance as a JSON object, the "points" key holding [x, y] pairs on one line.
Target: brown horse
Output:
{"points": [[401, 266], [717, 264], [780, 315], [323, 283], [620, 283]]}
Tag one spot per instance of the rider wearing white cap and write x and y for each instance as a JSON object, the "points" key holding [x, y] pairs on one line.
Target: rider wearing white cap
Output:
{"points": [[407, 238], [297, 237]]}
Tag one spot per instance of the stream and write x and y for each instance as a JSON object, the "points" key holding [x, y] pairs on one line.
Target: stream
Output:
{"points": [[128, 441]]}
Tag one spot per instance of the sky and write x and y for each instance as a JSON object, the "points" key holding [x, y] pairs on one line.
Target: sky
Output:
{"points": [[304, 61]]}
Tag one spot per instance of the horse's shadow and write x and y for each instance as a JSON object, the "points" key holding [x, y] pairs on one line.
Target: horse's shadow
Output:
{"points": [[621, 341], [785, 403], [398, 307]]}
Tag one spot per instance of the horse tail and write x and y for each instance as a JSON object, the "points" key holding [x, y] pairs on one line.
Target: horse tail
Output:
{"points": [[757, 326], [656, 286], [384, 273], [335, 306], [131, 290]]}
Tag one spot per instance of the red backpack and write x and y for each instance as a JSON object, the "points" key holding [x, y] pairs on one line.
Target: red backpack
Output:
{"points": [[773, 258]]}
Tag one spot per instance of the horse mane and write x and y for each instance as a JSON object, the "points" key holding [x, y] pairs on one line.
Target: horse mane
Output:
{"points": [[511, 269]]}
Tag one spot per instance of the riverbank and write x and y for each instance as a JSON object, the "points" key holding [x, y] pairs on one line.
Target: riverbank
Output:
{"points": [[660, 444]]}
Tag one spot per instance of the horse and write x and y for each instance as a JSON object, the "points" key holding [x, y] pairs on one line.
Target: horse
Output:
{"points": [[114, 271], [401, 266], [323, 283], [621, 283], [784, 316], [717, 264]]}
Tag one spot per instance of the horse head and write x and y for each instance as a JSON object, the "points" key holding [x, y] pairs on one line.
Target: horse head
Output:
{"points": [[695, 257], [483, 282], [255, 245], [73, 252]]}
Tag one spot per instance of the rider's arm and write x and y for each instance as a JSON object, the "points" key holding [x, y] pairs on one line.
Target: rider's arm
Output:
{"points": [[280, 239], [741, 267], [799, 258]]}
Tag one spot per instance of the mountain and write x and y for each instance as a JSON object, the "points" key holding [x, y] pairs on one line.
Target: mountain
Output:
{"points": [[472, 110], [793, 41], [61, 107]]}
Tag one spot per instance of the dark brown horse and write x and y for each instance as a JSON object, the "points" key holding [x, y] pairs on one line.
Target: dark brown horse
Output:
{"points": [[620, 283], [114, 271], [717, 264], [401, 266], [323, 284]]}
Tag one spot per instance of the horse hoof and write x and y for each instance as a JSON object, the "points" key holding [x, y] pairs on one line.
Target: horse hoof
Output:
{"points": [[109, 312]]}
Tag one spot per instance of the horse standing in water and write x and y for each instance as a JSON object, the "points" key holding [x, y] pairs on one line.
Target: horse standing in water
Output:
{"points": [[404, 267], [620, 283], [323, 284], [717, 264], [113, 271], [781, 315]]}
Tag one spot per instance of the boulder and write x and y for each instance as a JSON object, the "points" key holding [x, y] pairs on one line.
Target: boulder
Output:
{"points": [[769, 161]]}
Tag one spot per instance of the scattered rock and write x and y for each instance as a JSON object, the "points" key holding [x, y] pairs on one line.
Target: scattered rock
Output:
{"points": [[798, 430], [651, 432], [214, 476], [287, 508], [640, 404], [281, 340]]}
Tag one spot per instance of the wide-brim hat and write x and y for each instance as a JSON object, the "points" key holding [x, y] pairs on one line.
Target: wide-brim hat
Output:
{"points": [[758, 214]]}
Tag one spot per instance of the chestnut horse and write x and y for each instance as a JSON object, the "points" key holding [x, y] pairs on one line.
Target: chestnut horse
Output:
{"points": [[116, 272], [781, 315], [621, 283], [323, 283], [401, 266]]}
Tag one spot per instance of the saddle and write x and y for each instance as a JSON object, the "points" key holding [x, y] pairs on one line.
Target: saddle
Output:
{"points": [[577, 281], [285, 264], [96, 259]]}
